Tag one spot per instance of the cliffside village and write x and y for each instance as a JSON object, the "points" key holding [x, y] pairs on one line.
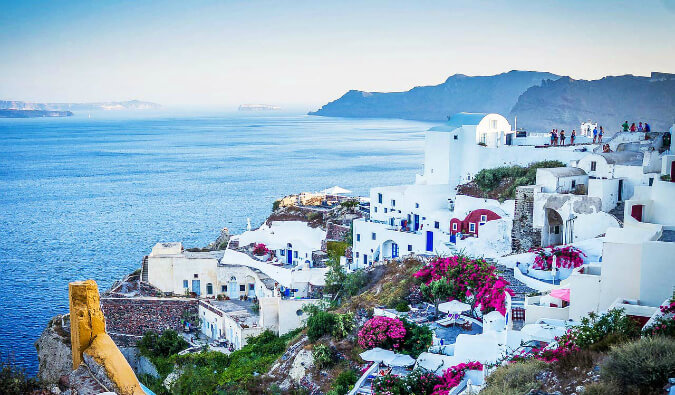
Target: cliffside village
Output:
{"points": [[612, 202]]}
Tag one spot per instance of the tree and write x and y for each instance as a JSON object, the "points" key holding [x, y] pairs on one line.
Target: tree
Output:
{"points": [[335, 278], [437, 290]]}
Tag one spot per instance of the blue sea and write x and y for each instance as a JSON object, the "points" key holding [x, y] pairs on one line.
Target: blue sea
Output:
{"points": [[87, 197]]}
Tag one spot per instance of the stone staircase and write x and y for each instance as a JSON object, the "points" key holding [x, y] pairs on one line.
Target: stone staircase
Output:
{"points": [[144, 270], [519, 288]]}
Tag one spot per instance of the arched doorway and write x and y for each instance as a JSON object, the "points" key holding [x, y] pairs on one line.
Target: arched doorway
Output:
{"points": [[552, 233], [389, 250]]}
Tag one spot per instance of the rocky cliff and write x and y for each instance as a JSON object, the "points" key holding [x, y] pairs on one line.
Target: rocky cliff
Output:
{"points": [[54, 352], [495, 93]]}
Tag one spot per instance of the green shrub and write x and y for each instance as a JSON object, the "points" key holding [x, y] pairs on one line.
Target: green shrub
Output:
{"points": [[489, 179], [598, 333], [13, 380], [275, 205], [344, 382], [323, 356], [350, 203], [344, 324], [515, 378], [319, 324], [642, 366], [336, 248], [601, 388], [354, 282], [402, 306], [164, 345], [417, 339]]}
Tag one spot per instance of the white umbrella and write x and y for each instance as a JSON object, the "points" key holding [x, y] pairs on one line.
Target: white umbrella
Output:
{"points": [[400, 360], [453, 306], [336, 190], [377, 354], [542, 332]]}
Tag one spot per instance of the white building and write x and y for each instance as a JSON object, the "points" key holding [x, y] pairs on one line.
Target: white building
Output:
{"points": [[229, 320], [416, 218]]}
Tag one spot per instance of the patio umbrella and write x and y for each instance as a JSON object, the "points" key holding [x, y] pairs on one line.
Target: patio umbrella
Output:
{"points": [[453, 307], [400, 360], [542, 332], [377, 354], [336, 190], [562, 293]]}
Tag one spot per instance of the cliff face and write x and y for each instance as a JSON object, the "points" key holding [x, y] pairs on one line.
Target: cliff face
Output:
{"points": [[565, 102], [497, 93], [54, 352]]}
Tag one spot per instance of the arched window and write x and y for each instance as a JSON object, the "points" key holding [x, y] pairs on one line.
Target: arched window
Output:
{"points": [[289, 245], [233, 278]]}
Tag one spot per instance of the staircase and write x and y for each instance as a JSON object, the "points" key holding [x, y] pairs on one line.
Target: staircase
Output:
{"points": [[618, 213], [144, 270], [520, 290]]}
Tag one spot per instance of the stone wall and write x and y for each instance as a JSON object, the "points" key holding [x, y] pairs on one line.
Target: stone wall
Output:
{"points": [[129, 318], [523, 235], [336, 232]]}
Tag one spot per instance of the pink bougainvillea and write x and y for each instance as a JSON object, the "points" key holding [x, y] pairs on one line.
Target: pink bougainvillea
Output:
{"points": [[453, 376], [474, 281], [566, 257], [565, 346], [260, 249], [384, 332]]}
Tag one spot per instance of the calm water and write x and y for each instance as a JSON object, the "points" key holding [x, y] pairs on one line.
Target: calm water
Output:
{"points": [[87, 198]]}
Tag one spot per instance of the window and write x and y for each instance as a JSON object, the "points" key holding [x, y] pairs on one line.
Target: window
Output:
{"points": [[251, 287], [556, 230], [379, 198], [472, 227], [409, 247], [242, 288], [299, 312], [593, 165], [185, 283], [454, 226], [493, 124], [373, 236], [651, 181], [417, 205], [295, 254], [391, 221], [483, 138], [454, 137], [437, 225], [385, 210], [196, 275], [393, 202], [282, 252], [574, 183], [357, 254], [483, 218], [375, 209], [209, 289], [223, 288], [358, 237]]}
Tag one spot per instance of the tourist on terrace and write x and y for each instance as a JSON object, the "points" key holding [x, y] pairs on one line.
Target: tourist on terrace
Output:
{"points": [[625, 126], [595, 135], [555, 136], [640, 129], [552, 136], [562, 137], [572, 136], [647, 128], [600, 133], [632, 127]]}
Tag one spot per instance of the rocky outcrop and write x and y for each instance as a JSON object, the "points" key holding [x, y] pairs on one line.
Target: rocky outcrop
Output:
{"points": [[222, 241], [53, 349]]}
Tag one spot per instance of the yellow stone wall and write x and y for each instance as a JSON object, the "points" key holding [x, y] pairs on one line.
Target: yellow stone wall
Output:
{"points": [[88, 336]]}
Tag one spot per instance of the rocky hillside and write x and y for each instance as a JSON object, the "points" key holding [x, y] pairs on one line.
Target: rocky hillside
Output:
{"points": [[565, 103], [495, 93]]}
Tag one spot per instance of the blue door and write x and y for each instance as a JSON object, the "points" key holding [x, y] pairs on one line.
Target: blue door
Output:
{"points": [[289, 257], [394, 250], [430, 240], [417, 222], [195, 287], [365, 260]]}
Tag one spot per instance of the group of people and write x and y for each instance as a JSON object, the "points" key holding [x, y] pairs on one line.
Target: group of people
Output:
{"points": [[639, 128], [558, 138]]}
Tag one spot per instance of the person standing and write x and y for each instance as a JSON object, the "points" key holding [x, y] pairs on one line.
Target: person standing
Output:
{"points": [[647, 128], [552, 136], [640, 129], [632, 127], [595, 134], [562, 137], [625, 126], [572, 136], [600, 133]]}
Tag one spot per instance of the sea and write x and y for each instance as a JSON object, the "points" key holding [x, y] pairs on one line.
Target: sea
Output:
{"points": [[86, 197]]}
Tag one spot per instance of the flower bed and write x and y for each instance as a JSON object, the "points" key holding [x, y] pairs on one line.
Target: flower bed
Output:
{"points": [[567, 257], [664, 324], [474, 281]]}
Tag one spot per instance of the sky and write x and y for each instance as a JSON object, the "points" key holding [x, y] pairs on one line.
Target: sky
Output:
{"points": [[302, 54]]}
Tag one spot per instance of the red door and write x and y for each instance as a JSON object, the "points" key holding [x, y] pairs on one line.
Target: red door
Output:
{"points": [[636, 212]]}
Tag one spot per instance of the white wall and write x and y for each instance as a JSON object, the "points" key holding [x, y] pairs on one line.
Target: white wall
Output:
{"points": [[621, 274], [168, 273], [584, 293], [606, 190], [534, 312], [283, 315], [657, 279]]}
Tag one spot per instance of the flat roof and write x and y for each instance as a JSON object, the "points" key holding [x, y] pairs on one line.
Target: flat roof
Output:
{"points": [[564, 171]]}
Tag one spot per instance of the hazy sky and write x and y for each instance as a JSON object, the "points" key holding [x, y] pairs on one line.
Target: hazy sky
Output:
{"points": [[304, 53]]}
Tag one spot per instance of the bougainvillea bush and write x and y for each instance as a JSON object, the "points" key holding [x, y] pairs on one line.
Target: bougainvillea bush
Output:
{"points": [[260, 249], [567, 257], [474, 281], [383, 332], [665, 323], [453, 376], [416, 382]]}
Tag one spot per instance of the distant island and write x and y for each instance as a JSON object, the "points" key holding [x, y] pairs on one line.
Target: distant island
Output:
{"points": [[11, 113], [541, 101], [21, 109], [258, 107]]}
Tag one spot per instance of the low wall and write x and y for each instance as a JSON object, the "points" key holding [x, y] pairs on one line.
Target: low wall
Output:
{"points": [[130, 318]]}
